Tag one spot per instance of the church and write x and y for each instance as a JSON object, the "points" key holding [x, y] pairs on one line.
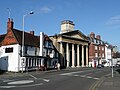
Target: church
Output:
{"points": [[72, 45]]}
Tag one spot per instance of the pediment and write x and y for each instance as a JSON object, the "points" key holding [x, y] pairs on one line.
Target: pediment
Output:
{"points": [[76, 34]]}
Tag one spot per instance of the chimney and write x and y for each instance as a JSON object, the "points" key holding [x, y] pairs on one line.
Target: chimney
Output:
{"points": [[98, 37], [32, 32], [92, 35], [9, 24]]}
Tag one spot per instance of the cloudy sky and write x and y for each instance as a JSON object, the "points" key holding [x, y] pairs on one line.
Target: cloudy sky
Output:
{"points": [[99, 16]]}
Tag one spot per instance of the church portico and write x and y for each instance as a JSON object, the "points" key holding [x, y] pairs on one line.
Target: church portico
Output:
{"points": [[72, 47], [73, 55]]}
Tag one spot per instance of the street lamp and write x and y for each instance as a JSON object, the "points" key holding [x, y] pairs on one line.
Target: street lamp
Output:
{"points": [[23, 31]]}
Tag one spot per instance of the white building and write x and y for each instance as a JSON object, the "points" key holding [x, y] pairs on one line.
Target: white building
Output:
{"points": [[38, 50], [108, 54]]}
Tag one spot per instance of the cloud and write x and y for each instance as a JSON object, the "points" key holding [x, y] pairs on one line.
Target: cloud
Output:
{"points": [[113, 21], [45, 10]]}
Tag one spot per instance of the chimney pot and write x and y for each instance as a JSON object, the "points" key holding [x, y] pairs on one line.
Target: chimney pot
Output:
{"points": [[92, 35], [9, 24], [32, 32], [98, 37]]}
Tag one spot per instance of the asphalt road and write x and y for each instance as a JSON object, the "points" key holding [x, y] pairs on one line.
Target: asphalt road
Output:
{"points": [[67, 79]]}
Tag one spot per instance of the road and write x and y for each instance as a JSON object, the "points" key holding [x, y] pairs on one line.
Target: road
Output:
{"points": [[67, 79]]}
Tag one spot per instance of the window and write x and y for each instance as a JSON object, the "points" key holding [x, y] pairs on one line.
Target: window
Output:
{"points": [[99, 48], [96, 55], [9, 50], [26, 50], [99, 55], [103, 55], [95, 47], [103, 48]]}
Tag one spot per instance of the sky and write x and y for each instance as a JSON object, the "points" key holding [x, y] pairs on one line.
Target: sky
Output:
{"points": [[99, 16]]}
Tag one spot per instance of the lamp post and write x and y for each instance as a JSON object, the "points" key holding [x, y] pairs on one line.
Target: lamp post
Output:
{"points": [[23, 36]]}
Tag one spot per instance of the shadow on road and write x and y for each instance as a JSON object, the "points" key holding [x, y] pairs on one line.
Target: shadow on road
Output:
{"points": [[2, 72], [118, 70]]}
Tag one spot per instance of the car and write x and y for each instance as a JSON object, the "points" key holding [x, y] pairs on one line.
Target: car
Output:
{"points": [[100, 66]]}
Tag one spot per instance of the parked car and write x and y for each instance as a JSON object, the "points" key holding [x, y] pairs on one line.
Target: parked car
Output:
{"points": [[100, 66]]}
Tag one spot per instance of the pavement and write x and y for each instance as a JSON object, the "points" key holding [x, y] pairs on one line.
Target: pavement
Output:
{"points": [[108, 82]]}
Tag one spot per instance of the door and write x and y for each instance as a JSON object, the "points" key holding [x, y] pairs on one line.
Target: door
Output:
{"points": [[4, 63]]}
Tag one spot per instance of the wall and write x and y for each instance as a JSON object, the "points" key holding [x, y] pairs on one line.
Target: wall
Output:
{"points": [[12, 58]]}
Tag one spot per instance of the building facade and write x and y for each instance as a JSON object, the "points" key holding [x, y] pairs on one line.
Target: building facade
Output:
{"points": [[108, 54], [72, 46], [38, 51], [96, 50]]}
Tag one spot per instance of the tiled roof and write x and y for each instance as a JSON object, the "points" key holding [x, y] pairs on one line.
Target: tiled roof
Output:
{"points": [[1, 38], [30, 40]]}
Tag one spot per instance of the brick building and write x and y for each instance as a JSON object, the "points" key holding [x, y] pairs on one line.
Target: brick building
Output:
{"points": [[96, 50]]}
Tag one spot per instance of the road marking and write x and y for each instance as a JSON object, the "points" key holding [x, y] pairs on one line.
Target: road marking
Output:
{"points": [[97, 78], [70, 73], [21, 82], [33, 76], [7, 86], [82, 76], [46, 80], [22, 86], [76, 75], [8, 80], [97, 84], [89, 77], [31, 85]]}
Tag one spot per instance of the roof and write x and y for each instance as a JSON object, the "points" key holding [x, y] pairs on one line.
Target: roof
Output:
{"points": [[30, 40], [96, 41], [70, 33], [2, 38]]}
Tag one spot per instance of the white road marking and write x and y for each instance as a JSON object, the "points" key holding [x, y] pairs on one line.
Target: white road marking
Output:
{"points": [[46, 80], [32, 85], [8, 80], [89, 77], [82, 76], [70, 73], [96, 78], [33, 76], [21, 82], [75, 74], [7, 86]]}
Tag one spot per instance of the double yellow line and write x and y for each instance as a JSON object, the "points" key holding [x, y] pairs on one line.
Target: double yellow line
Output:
{"points": [[97, 84]]}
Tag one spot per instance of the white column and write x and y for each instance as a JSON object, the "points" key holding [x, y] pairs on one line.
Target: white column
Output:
{"points": [[41, 43], [82, 56], [87, 63], [28, 62], [61, 52], [67, 54], [78, 56], [73, 56]]}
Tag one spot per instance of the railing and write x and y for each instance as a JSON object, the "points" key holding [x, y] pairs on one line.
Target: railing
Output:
{"points": [[32, 63]]}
